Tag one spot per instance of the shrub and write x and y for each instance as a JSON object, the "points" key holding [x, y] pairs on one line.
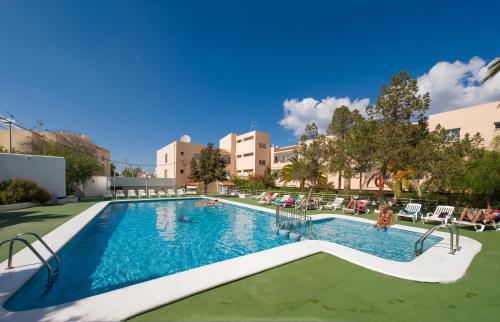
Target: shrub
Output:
{"points": [[21, 190]]}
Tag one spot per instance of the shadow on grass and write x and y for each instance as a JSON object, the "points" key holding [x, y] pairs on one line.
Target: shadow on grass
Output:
{"points": [[10, 218]]}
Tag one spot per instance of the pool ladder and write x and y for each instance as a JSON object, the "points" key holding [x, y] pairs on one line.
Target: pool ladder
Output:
{"points": [[52, 273], [454, 238]]}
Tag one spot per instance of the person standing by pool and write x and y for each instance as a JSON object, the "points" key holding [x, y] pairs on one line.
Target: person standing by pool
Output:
{"points": [[385, 217]]}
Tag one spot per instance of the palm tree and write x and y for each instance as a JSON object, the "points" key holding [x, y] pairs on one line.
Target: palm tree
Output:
{"points": [[493, 69], [296, 170]]}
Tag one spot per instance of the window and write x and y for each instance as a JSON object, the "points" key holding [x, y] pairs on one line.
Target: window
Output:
{"points": [[248, 170], [226, 159], [182, 152], [196, 156], [239, 141], [182, 171], [453, 134], [262, 145], [262, 162], [248, 138], [238, 156], [166, 158], [239, 171], [165, 173], [497, 125], [248, 154], [275, 159]]}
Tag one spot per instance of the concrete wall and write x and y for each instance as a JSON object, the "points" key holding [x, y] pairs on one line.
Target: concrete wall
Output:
{"points": [[48, 172], [248, 153], [479, 118]]}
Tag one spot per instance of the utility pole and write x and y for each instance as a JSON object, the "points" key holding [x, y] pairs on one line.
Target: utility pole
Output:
{"points": [[10, 122]]}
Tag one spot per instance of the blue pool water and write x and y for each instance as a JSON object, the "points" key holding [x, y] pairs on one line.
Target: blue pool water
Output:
{"points": [[132, 242], [392, 243]]}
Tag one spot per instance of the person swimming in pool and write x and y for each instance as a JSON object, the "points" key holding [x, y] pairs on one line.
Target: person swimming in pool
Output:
{"points": [[185, 219], [214, 202], [385, 218]]}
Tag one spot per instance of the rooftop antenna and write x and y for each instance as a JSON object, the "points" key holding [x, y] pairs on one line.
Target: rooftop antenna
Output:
{"points": [[253, 126]]}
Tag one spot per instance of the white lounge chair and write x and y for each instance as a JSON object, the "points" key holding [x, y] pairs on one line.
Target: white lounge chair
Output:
{"points": [[170, 192], [333, 205], [152, 193], [131, 194], [354, 211], [161, 194], [412, 210], [283, 199], [107, 194], [441, 214], [142, 193], [267, 201], [181, 192], [259, 197], [479, 226], [120, 194]]}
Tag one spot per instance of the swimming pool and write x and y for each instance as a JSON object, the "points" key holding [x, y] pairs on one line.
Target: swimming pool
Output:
{"points": [[132, 242], [391, 243]]}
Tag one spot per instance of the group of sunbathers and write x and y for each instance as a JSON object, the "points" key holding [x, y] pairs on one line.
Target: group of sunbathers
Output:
{"points": [[359, 206], [478, 215]]}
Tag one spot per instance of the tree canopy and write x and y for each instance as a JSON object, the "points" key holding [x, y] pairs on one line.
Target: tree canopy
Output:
{"points": [[209, 168]]}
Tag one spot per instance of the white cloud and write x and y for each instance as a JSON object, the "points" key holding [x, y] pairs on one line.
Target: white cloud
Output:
{"points": [[451, 86], [299, 113], [457, 84]]}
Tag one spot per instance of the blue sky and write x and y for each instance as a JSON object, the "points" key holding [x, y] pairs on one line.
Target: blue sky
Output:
{"points": [[135, 75]]}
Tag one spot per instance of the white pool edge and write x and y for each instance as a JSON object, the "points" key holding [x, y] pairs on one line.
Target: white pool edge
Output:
{"points": [[435, 265]]}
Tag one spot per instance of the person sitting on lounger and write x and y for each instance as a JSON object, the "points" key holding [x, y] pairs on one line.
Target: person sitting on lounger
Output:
{"points": [[360, 207], [352, 203], [207, 203], [471, 215], [385, 217]]}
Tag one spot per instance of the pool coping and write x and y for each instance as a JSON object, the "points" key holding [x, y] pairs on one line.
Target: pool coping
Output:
{"points": [[434, 265]]}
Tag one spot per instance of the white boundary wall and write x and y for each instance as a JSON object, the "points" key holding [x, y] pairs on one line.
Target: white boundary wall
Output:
{"points": [[97, 185], [47, 171]]}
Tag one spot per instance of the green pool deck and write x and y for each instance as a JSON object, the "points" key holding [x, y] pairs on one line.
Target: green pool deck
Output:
{"points": [[319, 287], [40, 220]]}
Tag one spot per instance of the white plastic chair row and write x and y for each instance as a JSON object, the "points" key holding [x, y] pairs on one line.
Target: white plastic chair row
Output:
{"points": [[141, 193]]}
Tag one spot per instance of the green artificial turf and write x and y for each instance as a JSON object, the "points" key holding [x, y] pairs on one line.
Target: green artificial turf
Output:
{"points": [[40, 220], [324, 287]]}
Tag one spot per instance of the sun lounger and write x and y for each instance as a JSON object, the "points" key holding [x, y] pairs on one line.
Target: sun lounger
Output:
{"points": [[120, 194], [412, 211], [161, 194], [181, 192], [107, 194], [267, 200], [259, 197], [479, 226], [151, 193], [282, 200], [131, 194], [441, 214], [333, 205], [171, 192], [142, 193], [359, 210]]}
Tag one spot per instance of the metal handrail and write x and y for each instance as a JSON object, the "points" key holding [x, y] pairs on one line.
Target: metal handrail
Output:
{"points": [[421, 239], [454, 238], [293, 214], [11, 249], [50, 277]]}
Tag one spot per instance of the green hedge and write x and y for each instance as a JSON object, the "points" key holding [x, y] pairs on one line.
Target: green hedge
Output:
{"points": [[21, 190]]}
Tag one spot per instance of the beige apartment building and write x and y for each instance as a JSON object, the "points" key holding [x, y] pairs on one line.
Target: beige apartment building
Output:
{"points": [[484, 118], [172, 160], [25, 142], [250, 153]]}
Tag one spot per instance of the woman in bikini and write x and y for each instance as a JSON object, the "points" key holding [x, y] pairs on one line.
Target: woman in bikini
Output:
{"points": [[385, 218], [471, 215]]}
